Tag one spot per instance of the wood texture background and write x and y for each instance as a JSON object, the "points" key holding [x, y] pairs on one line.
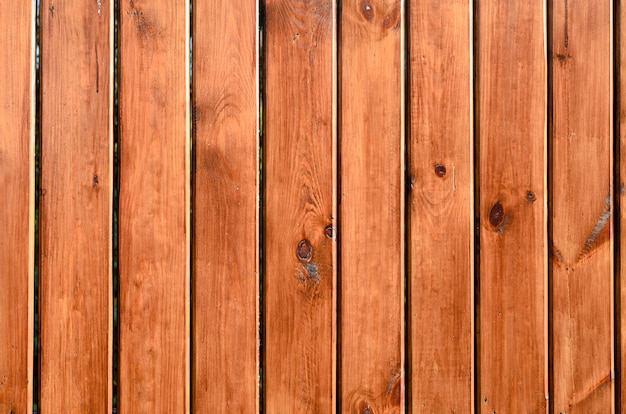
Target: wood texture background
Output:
{"points": [[372, 206], [303, 277], [76, 206], [511, 116], [17, 204], [154, 207], [299, 202], [225, 246], [582, 245], [440, 204]]}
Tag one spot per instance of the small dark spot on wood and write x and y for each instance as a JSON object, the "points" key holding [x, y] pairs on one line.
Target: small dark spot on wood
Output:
{"points": [[440, 170], [95, 180], [304, 250], [329, 231], [367, 11], [51, 10], [131, 3], [496, 215], [42, 192], [531, 196], [485, 400]]}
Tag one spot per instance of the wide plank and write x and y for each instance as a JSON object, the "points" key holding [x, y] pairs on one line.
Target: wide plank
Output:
{"points": [[372, 206], [511, 115], [154, 207], [17, 204], [299, 207], [441, 212], [76, 206], [225, 313]]}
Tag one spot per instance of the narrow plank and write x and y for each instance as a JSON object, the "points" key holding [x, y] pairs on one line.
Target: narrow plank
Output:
{"points": [[441, 207], [17, 184], [582, 243], [225, 224], [154, 233], [512, 69], [299, 163], [620, 15], [76, 206], [372, 206]]}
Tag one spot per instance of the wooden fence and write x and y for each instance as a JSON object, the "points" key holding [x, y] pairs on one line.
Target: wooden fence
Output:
{"points": [[363, 206]]}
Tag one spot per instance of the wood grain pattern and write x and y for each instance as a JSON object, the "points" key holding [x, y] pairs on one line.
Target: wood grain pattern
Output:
{"points": [[154, 207], [76, 206], [441, 208], [225, 247], [17, 183], [299, 163], [372, 206], [512, 74], [582, 192]]}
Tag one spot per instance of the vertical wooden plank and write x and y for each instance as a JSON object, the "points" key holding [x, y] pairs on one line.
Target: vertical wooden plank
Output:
{"points": [[441, 207], [75, 205], [154, 206], [582, 191], [299, 164], [513, 232], [372, 206], [621, 75], [225, 248], [17, 183]]}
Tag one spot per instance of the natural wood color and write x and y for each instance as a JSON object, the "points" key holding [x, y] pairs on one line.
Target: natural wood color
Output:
{"points": [[17, 182], [372, 206], [621, 237], [298, 159], [512, 90], [441, 212], [225, 247], [581, 193], [154, 207], [75, 206]]}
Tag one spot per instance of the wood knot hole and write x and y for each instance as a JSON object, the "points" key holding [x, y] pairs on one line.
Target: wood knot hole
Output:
{"points": [[304, 250], [440, 170]]}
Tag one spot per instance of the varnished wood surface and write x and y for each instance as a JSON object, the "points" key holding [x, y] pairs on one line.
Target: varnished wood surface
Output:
{"points": [[225, 234], [440, 200], [372, 206], [17, 182], [154, 207], [511, 115], [299, 202]]}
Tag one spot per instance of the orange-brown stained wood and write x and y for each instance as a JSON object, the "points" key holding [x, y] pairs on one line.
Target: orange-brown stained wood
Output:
{"points": [[512, 73], [17, 172], [441, 207], [582, 210], [299, 164], [621, 75], [75, 206], [154, 206], [372, 207], [225, 248]]}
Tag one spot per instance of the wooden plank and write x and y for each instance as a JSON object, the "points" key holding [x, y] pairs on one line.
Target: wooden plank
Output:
{"points": [[225, 248], [299, 163], [512, 69], [372, 206], [154, 206], [582, 249], [17, 184], [441, 207], [620, 16], [76, 206]]}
